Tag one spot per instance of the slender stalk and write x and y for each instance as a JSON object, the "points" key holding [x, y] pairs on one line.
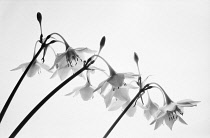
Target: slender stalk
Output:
{"points": [[19, 82], [43, 101], [123, 113]]}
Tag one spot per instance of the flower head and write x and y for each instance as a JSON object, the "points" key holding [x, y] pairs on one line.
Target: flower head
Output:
{"points": [[171, 111], [35, 67], [119, 98], [151, 108], [85, 91], [71, 59]]}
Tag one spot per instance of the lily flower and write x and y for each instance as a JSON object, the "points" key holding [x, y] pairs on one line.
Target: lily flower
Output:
{"points": [[115, 79], [85, 91], [151, 108], [35, 67], [70, 60], [120, 93], [171, 111], [119, 98]]}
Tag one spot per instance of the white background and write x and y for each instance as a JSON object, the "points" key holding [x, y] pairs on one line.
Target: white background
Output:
{"points": [[171, 38]]}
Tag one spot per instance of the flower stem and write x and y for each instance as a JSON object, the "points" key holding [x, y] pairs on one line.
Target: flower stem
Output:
{"points": [[19, 82], [65, 42], [123, 113], [111, 70], [43, 101], [167, 99]]}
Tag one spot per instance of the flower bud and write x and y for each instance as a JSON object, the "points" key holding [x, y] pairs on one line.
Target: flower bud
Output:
{"points": [[136, 58], [102, 43], [39, 17]]}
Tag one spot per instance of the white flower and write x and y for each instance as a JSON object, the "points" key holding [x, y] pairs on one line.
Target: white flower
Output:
{"points": [[87, 90], [171, 111], [116, 80], [119, 98], [70, 60], [151, 108], [35, 67]]}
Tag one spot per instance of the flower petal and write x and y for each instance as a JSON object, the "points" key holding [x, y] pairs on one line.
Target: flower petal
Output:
{"points": [[158, 123], [75, 90], [33, 70], [59, 57], [86, 50], [116, 104], [103, 88], [153, 108], [182, 121], [130, 86], [108, 97], [21, 66], [122, 94], [141, 106], [116, 80], [130, 75], [54, 74], [187, 103], [147, 114], [63, 72], [100, 86], [44, 66], [131, 111], [168, 122], [86, 92]]}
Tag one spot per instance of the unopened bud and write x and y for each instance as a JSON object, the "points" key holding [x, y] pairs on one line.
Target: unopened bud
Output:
{"points": [[39, 17], [136, 58], [102, 43]]}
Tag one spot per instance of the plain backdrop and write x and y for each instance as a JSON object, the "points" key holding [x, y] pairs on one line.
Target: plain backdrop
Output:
{"points": [[171, 38]]}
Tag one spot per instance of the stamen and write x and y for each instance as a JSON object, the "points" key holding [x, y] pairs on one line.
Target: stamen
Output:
{"points": [[178, 110], [172, 116]]}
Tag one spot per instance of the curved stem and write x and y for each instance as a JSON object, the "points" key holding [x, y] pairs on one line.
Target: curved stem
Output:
{"points": [[112, 71], [167, 99], [66, 44], [43, 101], [35, 48], [4, 109], [88, 75]]}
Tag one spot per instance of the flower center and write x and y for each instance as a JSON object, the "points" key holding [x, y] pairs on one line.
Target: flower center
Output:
{"points": [[71, 56], [172, 115]]}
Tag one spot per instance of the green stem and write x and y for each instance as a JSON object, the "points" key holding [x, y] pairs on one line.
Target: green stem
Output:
{"points": [[43, 101], [19, 82]]}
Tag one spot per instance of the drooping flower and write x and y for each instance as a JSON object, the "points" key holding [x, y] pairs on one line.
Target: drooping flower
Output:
{"points": [[151, 108], [119, 98], [85, 91], [116, 80], [70, 60], [35, 68], [168, 113], [171, 111]]}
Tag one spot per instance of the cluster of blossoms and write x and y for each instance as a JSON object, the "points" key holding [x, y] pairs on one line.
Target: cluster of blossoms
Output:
{"points": [[114, 89]]}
